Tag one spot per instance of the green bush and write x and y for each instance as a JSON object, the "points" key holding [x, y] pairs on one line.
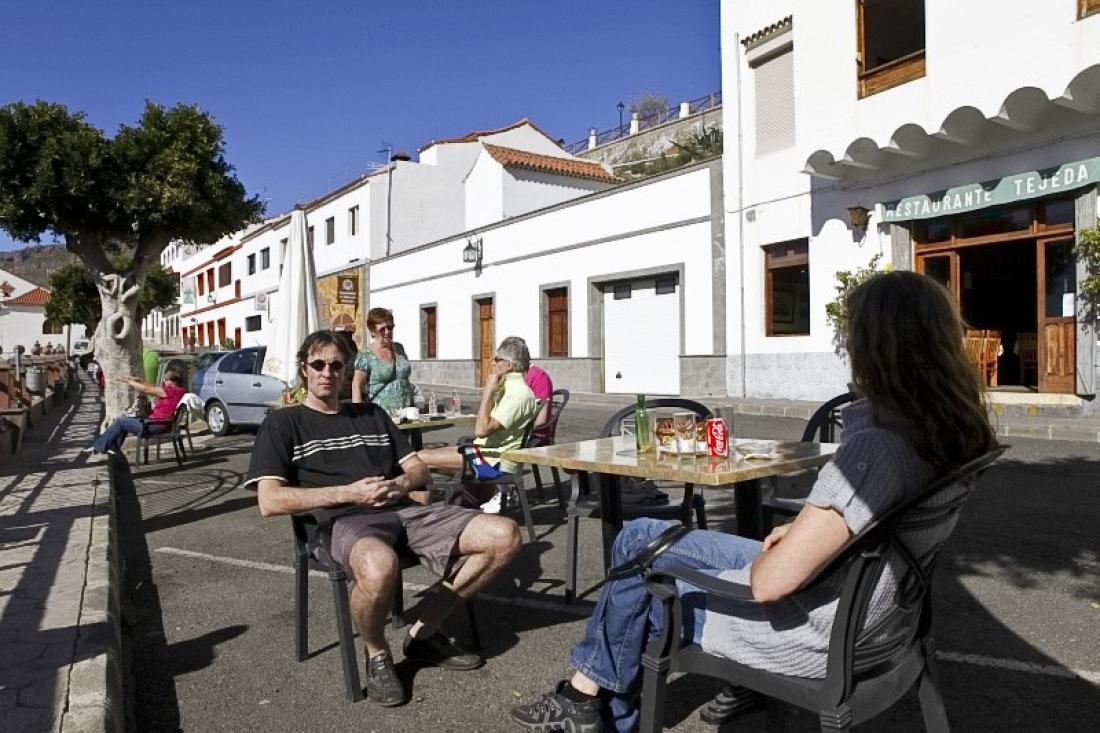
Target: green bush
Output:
{"points": [[847, 281], [1087, 250]]}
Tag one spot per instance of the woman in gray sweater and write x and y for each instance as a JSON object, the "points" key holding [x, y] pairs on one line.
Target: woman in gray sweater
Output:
{"points": [[921, 415]]}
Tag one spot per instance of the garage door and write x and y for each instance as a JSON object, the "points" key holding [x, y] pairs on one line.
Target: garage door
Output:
{"points": [[641, 336]]}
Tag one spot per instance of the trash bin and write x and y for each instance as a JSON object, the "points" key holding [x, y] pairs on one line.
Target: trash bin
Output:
{"points": [[36, 380]]}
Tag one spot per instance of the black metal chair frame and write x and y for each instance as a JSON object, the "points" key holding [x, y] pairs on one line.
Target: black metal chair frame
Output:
{"points": [[559, 398], [505, 480], [311, 532], [868, 669], [822, 428], [577, 510], [178, 425]]}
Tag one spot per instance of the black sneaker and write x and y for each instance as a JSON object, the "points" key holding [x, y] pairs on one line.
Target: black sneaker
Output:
{"points": [[439, 651], [383, 686], [555, 712], [732, 700]]}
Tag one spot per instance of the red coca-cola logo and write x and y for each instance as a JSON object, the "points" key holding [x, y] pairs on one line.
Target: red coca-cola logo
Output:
{"points": [[717, 438]]}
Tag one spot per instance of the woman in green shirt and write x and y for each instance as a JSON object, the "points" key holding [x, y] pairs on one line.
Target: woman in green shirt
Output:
{"points": [[382, 369]]}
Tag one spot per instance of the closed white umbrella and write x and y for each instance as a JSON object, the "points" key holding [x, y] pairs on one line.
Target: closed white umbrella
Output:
{"points": [[295, 304]]}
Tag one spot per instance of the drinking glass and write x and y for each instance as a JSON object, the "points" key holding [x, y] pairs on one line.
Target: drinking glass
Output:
{"points": [[684, 425]]}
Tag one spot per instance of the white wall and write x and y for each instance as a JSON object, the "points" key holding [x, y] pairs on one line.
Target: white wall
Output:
{"points": [[525, 190], [521, 255], [484, 192], [22, 324]]}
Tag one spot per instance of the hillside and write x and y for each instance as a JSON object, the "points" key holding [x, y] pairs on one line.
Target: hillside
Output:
{"points": [[36, 262]]}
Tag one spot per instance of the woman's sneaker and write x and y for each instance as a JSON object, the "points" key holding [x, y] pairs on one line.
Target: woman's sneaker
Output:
{"points": [[555, 712], [731, 701]]}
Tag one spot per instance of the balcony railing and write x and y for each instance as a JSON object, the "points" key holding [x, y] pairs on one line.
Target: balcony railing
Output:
{"points": [[693, 107]]}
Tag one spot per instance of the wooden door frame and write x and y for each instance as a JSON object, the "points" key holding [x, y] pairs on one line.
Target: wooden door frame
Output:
{"points": [[1064, 384], [475, 309], [956, 284]]}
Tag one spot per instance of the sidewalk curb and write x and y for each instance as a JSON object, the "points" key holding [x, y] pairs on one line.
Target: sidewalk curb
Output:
{"points": [[95, 697]]}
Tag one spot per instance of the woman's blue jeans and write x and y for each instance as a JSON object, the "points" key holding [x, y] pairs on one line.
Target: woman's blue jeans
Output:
{"points": [[627, 617], [115, 434]]}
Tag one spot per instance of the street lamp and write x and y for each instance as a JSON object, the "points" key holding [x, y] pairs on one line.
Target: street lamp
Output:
{"points": [[471, 253], [621, 107]]}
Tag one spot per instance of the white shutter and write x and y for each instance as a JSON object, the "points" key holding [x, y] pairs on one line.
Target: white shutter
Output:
{"points": [[775, 103]]}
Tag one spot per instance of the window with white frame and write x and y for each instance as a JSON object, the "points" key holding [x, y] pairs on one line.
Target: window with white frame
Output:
{"points": [[353, 220], [252, 264], [265, 258], [330, 230]]}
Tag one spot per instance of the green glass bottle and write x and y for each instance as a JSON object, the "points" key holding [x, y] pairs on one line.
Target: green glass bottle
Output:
{"points": [[643, 431]]}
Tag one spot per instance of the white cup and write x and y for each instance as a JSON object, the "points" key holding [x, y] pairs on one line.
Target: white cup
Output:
{"points": [[412, 413]]}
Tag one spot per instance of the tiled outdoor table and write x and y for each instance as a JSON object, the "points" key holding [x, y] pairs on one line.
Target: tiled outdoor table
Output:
{"points": [[607, 459]]}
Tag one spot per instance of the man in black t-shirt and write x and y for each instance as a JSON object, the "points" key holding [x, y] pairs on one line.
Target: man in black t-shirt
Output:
{"points": [[326, 454]]}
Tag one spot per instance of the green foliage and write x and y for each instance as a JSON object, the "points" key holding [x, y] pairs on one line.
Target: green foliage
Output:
{"points": [[836, 312], [701, 145], [75, 299], [1087, 250], [164, 179]]}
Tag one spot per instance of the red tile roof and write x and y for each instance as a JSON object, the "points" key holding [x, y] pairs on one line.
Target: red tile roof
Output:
{"points": [[473, 137], [512, 158], [34, 296], [776, 27]]}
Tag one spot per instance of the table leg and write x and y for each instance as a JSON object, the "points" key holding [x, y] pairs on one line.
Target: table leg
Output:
{"points": [[746, 502], [611, 510]]}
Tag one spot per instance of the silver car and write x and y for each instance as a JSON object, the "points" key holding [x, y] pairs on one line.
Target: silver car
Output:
{"points": [[233, 391]]}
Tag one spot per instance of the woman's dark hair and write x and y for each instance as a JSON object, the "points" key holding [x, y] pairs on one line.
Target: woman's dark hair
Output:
{"points": [[378, 316], [174, 376], [905, 341], [318, 339]]}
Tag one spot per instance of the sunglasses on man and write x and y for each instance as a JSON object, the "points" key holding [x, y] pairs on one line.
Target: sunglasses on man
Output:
{"points": [[318, 365]]}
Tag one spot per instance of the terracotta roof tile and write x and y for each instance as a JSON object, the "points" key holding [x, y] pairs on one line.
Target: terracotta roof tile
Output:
{"points": [[473, 137], [34, 296], [512, 158], [776, 27]]}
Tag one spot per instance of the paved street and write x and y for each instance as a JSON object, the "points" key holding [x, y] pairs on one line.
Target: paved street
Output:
{"points": [[1017, 614]]}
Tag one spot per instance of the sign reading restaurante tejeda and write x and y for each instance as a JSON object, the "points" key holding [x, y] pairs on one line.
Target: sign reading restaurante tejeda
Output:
{"points": [[1019, 187]]}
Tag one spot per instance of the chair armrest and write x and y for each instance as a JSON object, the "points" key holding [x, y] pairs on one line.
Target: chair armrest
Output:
{"points": [[709, 583], [322, 519]]}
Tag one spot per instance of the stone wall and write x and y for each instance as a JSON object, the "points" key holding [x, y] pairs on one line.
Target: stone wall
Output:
{"points": [[581, 374], [451, 372], [798, 376], [654, 141], [703, 376]]}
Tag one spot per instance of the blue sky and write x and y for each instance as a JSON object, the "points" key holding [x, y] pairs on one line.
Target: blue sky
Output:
{"points": [[308, 91]]}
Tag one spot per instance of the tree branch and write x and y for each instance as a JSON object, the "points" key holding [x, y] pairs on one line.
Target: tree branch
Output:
{"points": [[89, 248]]}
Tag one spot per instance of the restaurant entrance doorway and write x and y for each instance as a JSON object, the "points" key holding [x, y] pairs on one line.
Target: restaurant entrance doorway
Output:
{"points": [[1013, 274]]}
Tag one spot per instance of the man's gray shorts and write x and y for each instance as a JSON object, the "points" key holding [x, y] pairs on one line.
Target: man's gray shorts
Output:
{"points": [[429, 532]]}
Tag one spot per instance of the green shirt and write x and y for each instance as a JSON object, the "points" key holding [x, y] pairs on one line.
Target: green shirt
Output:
{"points": [[513, 407]]}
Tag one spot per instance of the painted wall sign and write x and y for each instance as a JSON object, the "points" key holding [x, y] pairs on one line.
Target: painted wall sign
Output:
{"points": [[1007, 190], [347, 290], [260, 301], [187, 291]]}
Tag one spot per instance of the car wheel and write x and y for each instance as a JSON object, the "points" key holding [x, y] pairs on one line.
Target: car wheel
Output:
{"points": [[217, 418]]}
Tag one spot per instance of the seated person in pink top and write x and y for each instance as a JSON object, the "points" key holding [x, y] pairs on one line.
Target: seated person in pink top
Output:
{"points": [[539, 382], [168, 397]]}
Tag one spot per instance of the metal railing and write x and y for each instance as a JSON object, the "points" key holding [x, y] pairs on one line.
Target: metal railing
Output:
{"points": [[695, 106]]}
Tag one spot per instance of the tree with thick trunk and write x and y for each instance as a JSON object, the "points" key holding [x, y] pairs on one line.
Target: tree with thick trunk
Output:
{"points": [[163, 180]]}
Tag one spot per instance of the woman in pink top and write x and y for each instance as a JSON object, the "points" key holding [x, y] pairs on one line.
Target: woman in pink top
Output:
{"points": [[539, 382], [168, 397]]}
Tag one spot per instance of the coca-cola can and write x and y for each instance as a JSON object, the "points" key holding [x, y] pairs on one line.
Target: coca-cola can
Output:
{"points": [[718, 438]]}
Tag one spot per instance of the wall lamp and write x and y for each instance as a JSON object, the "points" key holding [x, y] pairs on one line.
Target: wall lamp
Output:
{"points": [[858, 217], [471, 253]]}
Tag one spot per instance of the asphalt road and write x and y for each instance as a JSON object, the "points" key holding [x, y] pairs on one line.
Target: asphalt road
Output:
{"points": [[1017, 614]]}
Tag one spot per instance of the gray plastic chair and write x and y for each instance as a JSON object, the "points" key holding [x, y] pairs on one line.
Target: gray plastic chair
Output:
{"points": [[868, 669]]}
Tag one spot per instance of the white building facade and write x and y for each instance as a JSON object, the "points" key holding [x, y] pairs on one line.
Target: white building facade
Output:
{"points": [[940, 137], [23, 319]]}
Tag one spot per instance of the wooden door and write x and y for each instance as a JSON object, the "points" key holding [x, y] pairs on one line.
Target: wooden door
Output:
{"points": [[1057, 303], [237, 337], [429, 334], [943, 267], [485, 338], [557, 323], [210, 334], [221, 331]]}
